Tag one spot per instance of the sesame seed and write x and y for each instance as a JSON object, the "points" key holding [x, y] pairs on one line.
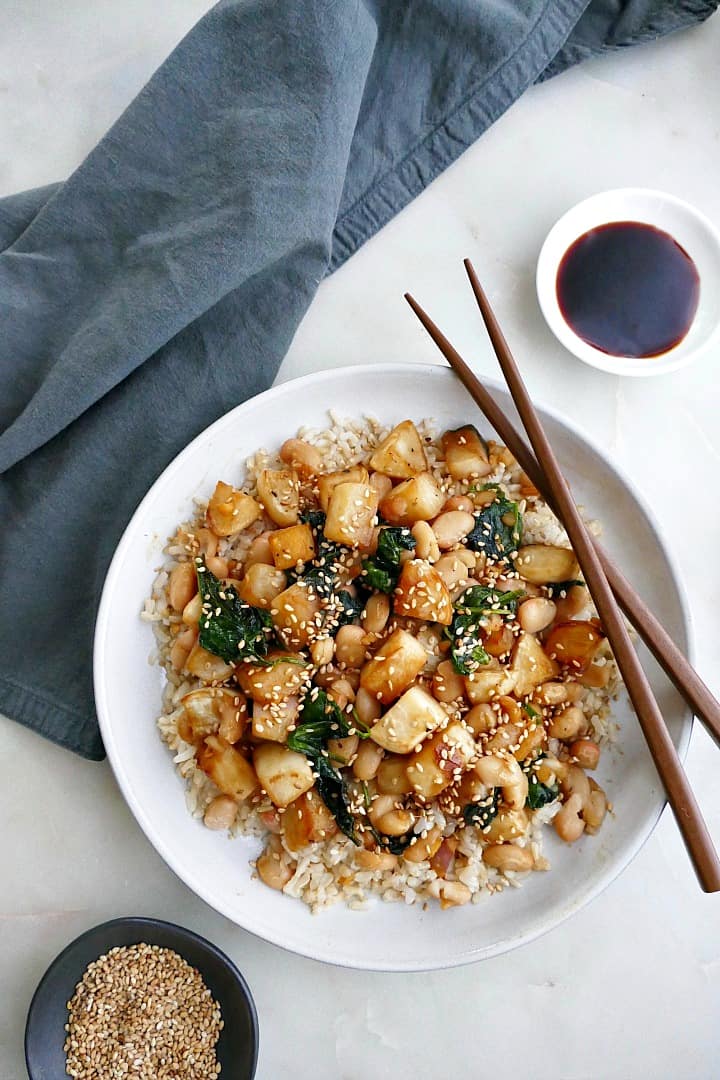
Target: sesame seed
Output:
{"points": [[142, 1011]]}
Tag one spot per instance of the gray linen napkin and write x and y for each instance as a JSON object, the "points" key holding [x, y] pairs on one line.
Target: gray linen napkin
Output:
{"points": [[161, 284]]}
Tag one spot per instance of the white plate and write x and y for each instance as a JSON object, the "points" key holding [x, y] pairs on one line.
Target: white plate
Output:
{"points": [[386, 936], [691, 229]]}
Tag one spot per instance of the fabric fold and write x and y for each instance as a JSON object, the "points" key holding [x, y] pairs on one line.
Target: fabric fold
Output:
{"points": [[161, 284]]}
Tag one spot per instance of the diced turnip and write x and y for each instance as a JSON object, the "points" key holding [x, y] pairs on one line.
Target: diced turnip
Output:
{"points": [[207, 666], [261, 584], [279, 492], [351, 514], [357, 474], [442, 760], [530, 665], [417, 499], [466, 453], [273, 680], [291, 546], [230, 511], [574, 644], [398, 661], [293, 613], [422, 593], [391, 777], [488, 683], [307, 820], [284, 774], [408, 721], [401, 453], [211, 710], [273, 720], [227, 768]]}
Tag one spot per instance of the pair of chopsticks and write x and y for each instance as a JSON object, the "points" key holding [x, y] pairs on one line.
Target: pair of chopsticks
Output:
{"points": [[609, 589]]}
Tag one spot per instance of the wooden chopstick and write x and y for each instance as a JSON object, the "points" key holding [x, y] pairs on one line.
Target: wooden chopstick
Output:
{"points": [[679, 793], [676, 666]]}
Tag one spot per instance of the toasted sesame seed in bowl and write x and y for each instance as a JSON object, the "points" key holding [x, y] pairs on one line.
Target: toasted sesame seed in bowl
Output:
{"points": [[138, 997], [443, 914]]}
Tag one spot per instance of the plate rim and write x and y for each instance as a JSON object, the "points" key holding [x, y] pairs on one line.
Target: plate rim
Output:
{"points": [[345, 372]]}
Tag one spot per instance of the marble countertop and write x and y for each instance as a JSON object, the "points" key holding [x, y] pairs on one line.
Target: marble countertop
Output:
{"points": [[629, 988]]}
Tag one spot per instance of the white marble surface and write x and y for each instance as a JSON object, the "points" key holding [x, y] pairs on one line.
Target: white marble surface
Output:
{"points": [[630, 988]]}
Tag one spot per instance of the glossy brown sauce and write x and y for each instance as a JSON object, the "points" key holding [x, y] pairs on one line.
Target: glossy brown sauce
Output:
{"points": [[629, 289]]}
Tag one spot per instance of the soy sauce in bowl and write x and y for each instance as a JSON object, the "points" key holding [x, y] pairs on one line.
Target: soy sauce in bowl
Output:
{"points": [[628, 289]]}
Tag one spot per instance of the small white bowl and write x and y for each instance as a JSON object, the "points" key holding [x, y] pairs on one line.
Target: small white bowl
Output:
{"points": [[691, 229]]}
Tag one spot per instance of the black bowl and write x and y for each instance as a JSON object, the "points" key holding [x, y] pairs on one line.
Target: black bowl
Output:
{"points": [[237, 1047]]}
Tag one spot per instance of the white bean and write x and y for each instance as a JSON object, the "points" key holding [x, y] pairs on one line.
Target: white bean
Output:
{"points": [[575, 782], [449, 893], [350, 646], [377, 613], [508, 857], [220, 813], [535, 614], [367, 707], [447, 685], [451, 526], [459, 502], [322, 651], [368, 760], [217, 566], [586, 753], [551, 693], [568, 724], [567, 823], [395, 822], [182, 585], [426, 545], [505, 773], [271, 867], [376, 860], [452, 570], [302, 456], [595, 808]]}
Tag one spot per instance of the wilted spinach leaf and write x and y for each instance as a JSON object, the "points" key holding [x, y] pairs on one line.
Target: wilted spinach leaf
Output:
{"points": [[333, 792], [557, 588], [497, 538], [322, 719], [229, 627], [379, 577], [391, 544], [482, 813], [394, 844], [382, 570], [315, 519], [539, 794], [347, 607], [321, 574], [484, 600], [467, 652]]}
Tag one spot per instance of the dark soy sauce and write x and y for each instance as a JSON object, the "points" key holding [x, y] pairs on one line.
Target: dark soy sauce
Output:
{"points": [[628, 289]]}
